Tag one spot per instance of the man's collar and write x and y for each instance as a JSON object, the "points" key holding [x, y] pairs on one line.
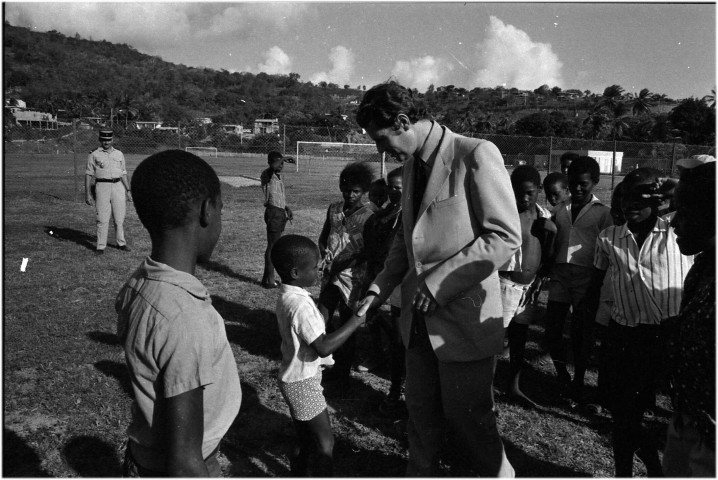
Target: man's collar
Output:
{"points": [[661, 225]]}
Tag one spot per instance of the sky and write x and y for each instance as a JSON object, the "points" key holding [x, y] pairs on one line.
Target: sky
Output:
{"points": [[669, 48]]}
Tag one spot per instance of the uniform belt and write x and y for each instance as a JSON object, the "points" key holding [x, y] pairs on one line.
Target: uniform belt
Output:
{"points": [[109, 180]]}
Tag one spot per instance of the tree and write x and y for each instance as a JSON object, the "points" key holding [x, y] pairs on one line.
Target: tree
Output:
{"points": [[535, 125], [642, 102], [556, 90], [695, 120], [710, 100]]}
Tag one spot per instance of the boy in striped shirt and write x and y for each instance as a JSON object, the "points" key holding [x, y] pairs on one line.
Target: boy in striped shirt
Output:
{"points": [[647, 272]]}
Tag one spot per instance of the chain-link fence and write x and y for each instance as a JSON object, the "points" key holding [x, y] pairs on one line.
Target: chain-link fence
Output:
{"points": [[541, 152]]}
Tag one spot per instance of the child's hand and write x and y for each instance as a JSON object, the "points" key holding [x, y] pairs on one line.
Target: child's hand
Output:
{"points": [[360, 319], [547, 225], [662, 188]]}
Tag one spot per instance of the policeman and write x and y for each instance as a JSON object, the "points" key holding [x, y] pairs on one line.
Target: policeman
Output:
{"points": [[107, 165]]}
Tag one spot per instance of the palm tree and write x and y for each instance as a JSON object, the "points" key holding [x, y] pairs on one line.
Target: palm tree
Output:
{"points": [[642, 102], [612, 96], [710, 100]]}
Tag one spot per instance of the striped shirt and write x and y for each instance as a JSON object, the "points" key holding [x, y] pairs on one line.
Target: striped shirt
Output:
{"points": [[646, 282], [576, 240], [273, 188]]}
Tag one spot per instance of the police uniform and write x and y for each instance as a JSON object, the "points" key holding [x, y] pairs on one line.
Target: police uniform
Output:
{"points": [[108, 169]]}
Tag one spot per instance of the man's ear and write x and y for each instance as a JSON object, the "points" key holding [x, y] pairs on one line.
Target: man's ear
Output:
{"points": [[402, 122], [294, 273], [205, 212]]}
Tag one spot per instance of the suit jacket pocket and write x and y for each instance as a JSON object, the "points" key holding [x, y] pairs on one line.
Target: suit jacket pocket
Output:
{"points": [[447, 202]]}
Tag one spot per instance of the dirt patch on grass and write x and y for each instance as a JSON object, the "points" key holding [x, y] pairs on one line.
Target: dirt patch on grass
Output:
{"points": [[239, 181]]}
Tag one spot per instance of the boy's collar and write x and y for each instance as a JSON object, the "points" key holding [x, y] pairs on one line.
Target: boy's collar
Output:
{"points": [[659, 225]]}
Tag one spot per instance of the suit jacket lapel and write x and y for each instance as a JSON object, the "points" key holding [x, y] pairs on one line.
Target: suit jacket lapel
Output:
{"points": [[439, 172]]}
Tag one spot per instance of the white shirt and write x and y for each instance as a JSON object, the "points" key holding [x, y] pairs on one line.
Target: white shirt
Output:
{"points": [[576, 240], [646, 283], [300, 323]]}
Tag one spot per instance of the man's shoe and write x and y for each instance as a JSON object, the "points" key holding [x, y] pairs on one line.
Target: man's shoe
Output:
{"points": [[125, 248], [99, 252], [369, 365]]}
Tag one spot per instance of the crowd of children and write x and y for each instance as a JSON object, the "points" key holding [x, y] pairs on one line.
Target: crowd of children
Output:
{"points": [[624, 266]]}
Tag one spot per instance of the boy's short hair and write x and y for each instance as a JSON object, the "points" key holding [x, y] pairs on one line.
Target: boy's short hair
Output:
{"points": [[378, 185], [397, 172], [165, 185], [699, 190], [357, 173], [554, 178], [273, 156], [292, 251], [570, 156], [382, 103], [525, 173], [585, 165], [640, 175]]}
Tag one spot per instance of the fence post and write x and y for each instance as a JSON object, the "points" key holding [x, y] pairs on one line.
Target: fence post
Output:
{"points": [[550, 153], [673, 159], [613, 164], [179, 136], [74, 155], [284, 139]]}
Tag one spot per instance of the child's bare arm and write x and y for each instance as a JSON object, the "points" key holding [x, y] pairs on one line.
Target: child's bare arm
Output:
{"points": [[326, 344], [181, 420], [593, 294], [322, 242]]}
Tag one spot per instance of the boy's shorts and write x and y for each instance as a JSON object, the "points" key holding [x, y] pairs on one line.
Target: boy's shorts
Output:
{"points": [[569, 283], [305, 398], [275, 218], [513, 299]]}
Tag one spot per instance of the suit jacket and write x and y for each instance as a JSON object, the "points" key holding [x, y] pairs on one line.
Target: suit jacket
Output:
{"points": [[467, 227]]}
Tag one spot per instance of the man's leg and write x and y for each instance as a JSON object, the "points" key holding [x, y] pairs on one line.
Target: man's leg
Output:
{"points": [[119, 208], [103, 195], [468, 404], [425, 427], [555, 316], [344, 355], [275, 220]]}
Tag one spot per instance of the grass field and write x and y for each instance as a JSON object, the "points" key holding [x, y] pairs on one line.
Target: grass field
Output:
{"points": [[66, 393]]}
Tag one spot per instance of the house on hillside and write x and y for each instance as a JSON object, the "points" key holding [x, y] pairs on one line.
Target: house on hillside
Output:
{"points": [[232, 129], [17, 109], [147, 125], [203, 120], [266, 125]]}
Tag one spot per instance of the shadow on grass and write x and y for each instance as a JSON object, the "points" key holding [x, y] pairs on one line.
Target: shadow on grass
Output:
{"points": [[527, 466], [104, 337], [19, 459], [118, 371], [91, 457], [225, 270], [80, 238], [255, 331]]}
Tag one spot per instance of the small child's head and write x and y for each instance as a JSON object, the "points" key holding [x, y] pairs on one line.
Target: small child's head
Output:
{"points": [[634, 206], [354, 181], [616, 211], [275, 161], [173, 189], [394, 185], [555, 186], [526, 182], [583, 174], [296, 259], [566, 160], [378, 192]]}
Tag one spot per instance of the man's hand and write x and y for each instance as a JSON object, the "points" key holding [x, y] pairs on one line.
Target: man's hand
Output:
{"points": [[89, 201], [662, 188], [129, 196], [290, 215], [424, 301], [367, 303]]}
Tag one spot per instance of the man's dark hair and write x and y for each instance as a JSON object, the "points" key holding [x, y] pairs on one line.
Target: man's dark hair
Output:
{"points": [[397, 172], [292, 251], [640, 175], [273, 156], [525, 173], [357, 173], [165, 185], [585, 165], [554, 178], [382, 103]]}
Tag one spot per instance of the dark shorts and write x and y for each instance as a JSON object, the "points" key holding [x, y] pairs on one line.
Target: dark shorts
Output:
{"points": [[275, 218]]}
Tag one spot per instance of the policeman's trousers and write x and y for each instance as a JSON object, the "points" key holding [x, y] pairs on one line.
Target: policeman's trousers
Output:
{"points": [[110, 201]]}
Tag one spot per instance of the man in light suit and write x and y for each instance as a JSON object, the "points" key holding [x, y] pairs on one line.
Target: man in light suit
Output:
{"points": [[455, 237]]}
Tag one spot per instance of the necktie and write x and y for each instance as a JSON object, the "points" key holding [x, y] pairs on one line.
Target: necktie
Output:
{"points": [[420, 181]]}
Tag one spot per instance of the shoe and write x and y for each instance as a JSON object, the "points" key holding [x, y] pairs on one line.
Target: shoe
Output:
{"points": [[99, 252], [125, 248], [368, 365]]}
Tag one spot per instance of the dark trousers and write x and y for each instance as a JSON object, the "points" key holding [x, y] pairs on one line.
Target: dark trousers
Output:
{"points": [[631, 360], [389, 325], [276, 220]]}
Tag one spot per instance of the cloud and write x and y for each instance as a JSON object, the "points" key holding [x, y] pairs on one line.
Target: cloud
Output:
{"points": [[421, 72], [342, 67], [275, 62], [509, 56]]}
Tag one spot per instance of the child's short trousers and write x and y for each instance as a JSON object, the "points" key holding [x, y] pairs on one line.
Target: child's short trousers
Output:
{"points": [[514, 302], [275, 218], [305, 397], [569, 283]]}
